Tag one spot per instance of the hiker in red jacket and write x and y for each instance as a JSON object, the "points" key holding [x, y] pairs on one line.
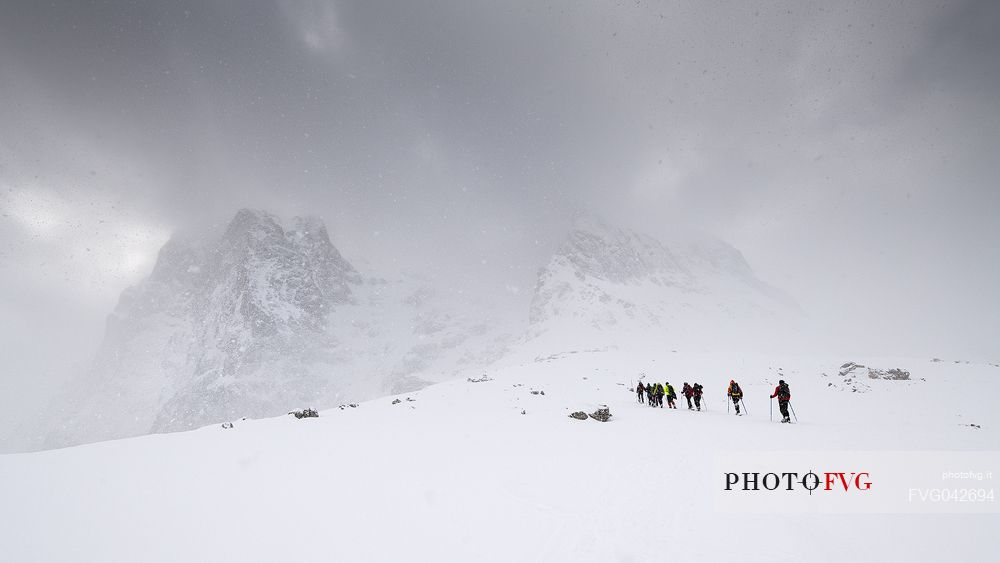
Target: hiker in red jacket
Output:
{"points": [[784, 395], [688, 393]]}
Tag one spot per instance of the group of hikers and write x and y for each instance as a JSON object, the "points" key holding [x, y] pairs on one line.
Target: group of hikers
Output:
{"points": [[653, 394]]}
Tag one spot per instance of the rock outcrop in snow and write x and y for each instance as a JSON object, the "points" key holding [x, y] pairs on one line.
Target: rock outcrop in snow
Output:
{"points": [[852, 377]]}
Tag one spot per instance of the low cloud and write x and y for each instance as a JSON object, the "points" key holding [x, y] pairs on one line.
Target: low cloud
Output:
{"points": [[315, 23]]}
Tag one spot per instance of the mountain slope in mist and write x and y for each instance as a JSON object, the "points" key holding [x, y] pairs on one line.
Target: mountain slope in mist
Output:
{"points": [[608, 285], [260, 321], [267, 318]]}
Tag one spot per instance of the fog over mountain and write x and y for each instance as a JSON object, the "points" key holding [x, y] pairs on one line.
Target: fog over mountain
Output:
{"points": [[268, 316], [696, 293], [767, 163], [265, 318]]}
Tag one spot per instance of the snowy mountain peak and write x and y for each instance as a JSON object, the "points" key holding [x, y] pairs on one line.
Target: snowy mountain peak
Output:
{"points": [[265, 317], [607, 284], [253, 223], [178, 261], [225, 327], [595, 249]]}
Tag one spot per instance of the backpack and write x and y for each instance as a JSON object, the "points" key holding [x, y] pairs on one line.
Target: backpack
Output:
{"points": [[783, 392], [735, 389]]}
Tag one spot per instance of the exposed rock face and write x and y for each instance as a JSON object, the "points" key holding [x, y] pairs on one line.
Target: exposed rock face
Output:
{"points": [[219, 330], [852, 372], [259, 308], [894, 374], [849, 367], [602, 414]]}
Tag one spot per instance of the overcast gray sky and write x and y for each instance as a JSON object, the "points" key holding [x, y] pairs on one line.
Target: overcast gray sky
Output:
{"points": [[848, 149]]}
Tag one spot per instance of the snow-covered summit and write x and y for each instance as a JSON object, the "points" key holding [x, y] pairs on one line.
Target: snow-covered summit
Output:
{"points": [[597, 250], [607, 284]]}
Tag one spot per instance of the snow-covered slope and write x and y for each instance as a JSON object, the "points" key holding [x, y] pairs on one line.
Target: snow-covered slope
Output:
{"points": [[265, 319], [606, 286], [492, 471]]}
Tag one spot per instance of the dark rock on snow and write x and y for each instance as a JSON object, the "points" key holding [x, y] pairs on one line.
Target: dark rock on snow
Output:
{"points": [[602, 414], [894, 374]]}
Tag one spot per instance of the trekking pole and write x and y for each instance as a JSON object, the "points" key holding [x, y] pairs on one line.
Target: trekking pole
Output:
{"points": [[770, 414], [793, 411], [727, 405], [744, 405]]}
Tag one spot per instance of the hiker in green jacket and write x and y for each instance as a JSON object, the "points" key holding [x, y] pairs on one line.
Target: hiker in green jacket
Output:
{"points": [[659, 396]]}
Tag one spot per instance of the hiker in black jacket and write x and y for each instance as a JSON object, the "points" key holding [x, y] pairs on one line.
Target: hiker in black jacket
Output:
{"points": [[735, 393], [696, 392]]}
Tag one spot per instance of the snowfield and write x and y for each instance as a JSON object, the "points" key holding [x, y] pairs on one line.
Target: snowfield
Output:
{"points": [[456, 472]]}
